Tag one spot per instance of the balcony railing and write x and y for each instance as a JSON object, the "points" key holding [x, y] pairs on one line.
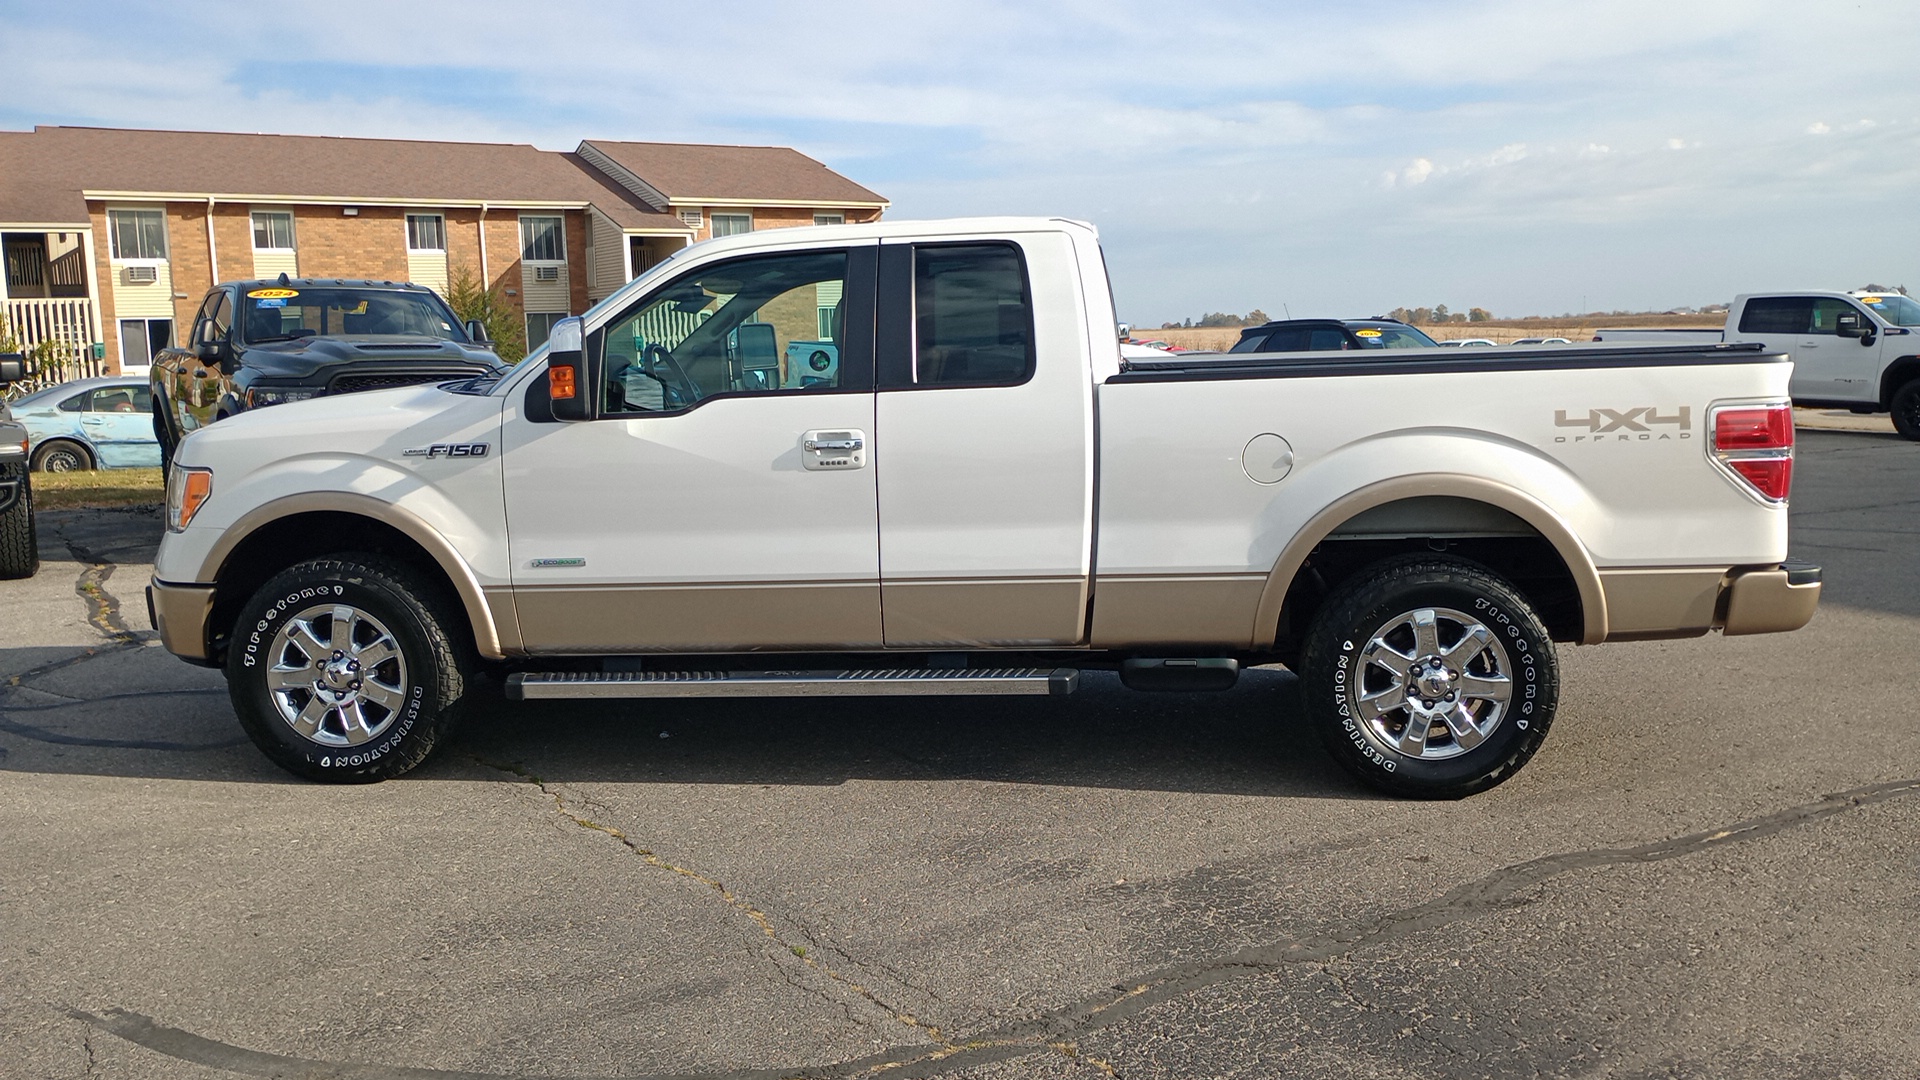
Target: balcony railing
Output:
{"points": [[64, 323]]}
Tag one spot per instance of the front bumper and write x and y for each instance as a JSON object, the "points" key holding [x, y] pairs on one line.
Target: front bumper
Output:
{"points": [[180, 614]]}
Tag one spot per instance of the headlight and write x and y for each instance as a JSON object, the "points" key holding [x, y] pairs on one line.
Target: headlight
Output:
{"points": [[187, 491], [260, 396]]}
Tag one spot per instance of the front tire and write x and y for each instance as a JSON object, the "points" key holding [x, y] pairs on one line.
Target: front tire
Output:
{"points": [[1429, 677], [349, 669], [1906, 410], [19, 549]]}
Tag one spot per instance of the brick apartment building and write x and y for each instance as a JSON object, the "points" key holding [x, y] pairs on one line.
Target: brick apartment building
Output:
{"points": [[111, 236]]}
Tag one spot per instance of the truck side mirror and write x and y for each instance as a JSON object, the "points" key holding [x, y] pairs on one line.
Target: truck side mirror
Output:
{"points": [[1866, 336], [13, 367], [477, 331], [568, 382]]}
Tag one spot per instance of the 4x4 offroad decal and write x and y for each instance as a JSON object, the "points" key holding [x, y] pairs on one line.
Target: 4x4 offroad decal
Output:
{"points": [[1623, 424]]}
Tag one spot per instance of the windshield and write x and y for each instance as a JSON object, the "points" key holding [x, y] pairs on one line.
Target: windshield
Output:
{"points": [[286, 313], [1896, 309], [1391, 337]]}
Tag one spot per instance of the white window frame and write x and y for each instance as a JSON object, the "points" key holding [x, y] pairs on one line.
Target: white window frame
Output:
{"points": [[407, 224], [146, 340], [113, 237], [821, 217], [715, 219], [560, 258], [253, 217]]}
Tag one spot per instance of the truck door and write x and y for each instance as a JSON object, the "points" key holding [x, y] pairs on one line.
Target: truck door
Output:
{"points": [[715, 502], [984, 428], [1826, 366]]}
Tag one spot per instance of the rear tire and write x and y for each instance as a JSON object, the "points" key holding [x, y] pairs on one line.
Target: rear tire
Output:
{"points": [[349, 669], [1429, 677], [1906, 410], [19, 550], [62, 455]]}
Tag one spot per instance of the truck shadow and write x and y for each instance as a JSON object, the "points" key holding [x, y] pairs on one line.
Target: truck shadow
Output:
{"points": [[1252, 740]]}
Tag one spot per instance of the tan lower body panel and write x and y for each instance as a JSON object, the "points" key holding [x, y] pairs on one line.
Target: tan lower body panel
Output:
{"points": [[699, 618], [1217, 610], [180, 614], [1644, 605], [1765, 602], [973, 613]]}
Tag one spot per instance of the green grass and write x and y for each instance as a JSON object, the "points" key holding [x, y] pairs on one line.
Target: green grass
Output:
{"points": [[98, 487]]}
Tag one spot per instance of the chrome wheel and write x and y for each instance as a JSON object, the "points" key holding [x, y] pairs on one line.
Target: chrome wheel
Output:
{"points": [[1431, 683], [336, 675]]}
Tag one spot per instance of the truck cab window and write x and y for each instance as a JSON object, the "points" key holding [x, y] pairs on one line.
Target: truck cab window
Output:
{"points": [[973, 318], [755, 325], [1777, 315], [1826, 315]]}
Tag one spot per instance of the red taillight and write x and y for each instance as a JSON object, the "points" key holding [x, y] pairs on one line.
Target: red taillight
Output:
{"points": [[1770, 476], [1755, 445], [1753, 429]]}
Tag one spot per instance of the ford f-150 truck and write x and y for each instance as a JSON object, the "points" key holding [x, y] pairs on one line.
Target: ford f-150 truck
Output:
{"points": [[977, 496], [1850, 350]]}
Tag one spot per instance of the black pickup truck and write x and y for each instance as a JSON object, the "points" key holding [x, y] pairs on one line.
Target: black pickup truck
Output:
{"points": [[259, 343], [19, 552]]}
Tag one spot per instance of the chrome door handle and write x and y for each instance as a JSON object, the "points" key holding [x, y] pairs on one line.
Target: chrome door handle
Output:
{"points": [[835, 444]]}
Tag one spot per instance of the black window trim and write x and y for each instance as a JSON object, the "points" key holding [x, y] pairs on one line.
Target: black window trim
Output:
{"points": [[896, 342]]}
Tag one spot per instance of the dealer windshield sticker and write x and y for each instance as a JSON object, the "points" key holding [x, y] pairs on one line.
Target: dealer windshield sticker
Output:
{"points": [[273, 294], [273, 301], [1873, 299], [1366, 333]]}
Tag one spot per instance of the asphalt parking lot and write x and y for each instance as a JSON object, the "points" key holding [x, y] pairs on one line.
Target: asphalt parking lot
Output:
{"points": [[1708, 871]]}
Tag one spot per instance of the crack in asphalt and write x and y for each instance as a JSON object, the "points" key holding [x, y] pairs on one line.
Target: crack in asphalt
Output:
{"points": [[1059, 1030]]}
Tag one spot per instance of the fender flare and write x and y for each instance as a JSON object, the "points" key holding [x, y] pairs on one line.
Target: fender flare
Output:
{"points": [[1593, 599], [486, 631]]}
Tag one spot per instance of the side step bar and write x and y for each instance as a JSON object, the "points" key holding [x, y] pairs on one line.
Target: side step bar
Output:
{"points": [[871, 683]]}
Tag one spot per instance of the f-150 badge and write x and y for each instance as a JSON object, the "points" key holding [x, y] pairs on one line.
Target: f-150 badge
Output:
{"points": [[475, 449]]}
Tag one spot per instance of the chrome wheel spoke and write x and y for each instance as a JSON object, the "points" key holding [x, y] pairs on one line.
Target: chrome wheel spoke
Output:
{"points": [[354, 722], [387, 697], [1383, 655], [1495, 688], [1460, 722], [1413, 741], [344, 619], [1426, 633], [1469, 646], [290, 677], [300, 634], [379, 652], [1384, 701], [307, 722]]}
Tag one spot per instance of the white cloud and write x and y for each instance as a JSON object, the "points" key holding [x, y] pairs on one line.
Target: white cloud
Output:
{"points": [[1818, 129]]}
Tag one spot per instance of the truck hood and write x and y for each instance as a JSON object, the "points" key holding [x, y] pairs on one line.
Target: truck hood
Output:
{"points": [[379, 424], [304, 356]]}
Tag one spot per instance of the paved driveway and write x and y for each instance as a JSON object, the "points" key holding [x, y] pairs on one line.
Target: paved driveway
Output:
{"points": [[1710, 870]]}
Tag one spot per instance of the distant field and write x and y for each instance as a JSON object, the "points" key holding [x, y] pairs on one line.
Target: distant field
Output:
{"points": [[1579, 328]]}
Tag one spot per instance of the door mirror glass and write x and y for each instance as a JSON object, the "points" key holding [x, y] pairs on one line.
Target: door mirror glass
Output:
{"points": [[13, 367], [477, 330]]}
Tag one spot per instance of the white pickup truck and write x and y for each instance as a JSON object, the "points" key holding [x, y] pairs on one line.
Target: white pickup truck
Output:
{"points": [[1851, 350], [977, 495]]}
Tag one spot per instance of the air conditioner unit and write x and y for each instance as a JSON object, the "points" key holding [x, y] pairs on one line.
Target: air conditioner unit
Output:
{"points": [[142, 275], [691, 219], [546, 273]]}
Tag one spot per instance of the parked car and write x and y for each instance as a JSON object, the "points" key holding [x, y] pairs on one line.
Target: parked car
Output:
{"points": [[1851, 350], [1464, 343], [102, 423], [19, 549], [1319, 335], [260, 343], [987, 500], [1541, 341]]}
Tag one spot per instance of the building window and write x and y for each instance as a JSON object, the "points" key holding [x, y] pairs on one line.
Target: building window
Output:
{"points": [[732, 224], [272, 230], [137, 234], [539, 325], [829, 219], [542, 239], [428, 233], [141, 338]]}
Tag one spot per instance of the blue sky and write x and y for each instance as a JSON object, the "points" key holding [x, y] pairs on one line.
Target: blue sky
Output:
{"points": [[1314, 158]]}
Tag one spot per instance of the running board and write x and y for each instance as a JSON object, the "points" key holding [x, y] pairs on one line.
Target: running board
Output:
{"points": [[870, 683]]}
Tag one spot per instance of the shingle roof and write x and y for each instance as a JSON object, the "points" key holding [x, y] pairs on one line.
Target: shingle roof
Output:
{"points": [[43, 172], [693, 173]]}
